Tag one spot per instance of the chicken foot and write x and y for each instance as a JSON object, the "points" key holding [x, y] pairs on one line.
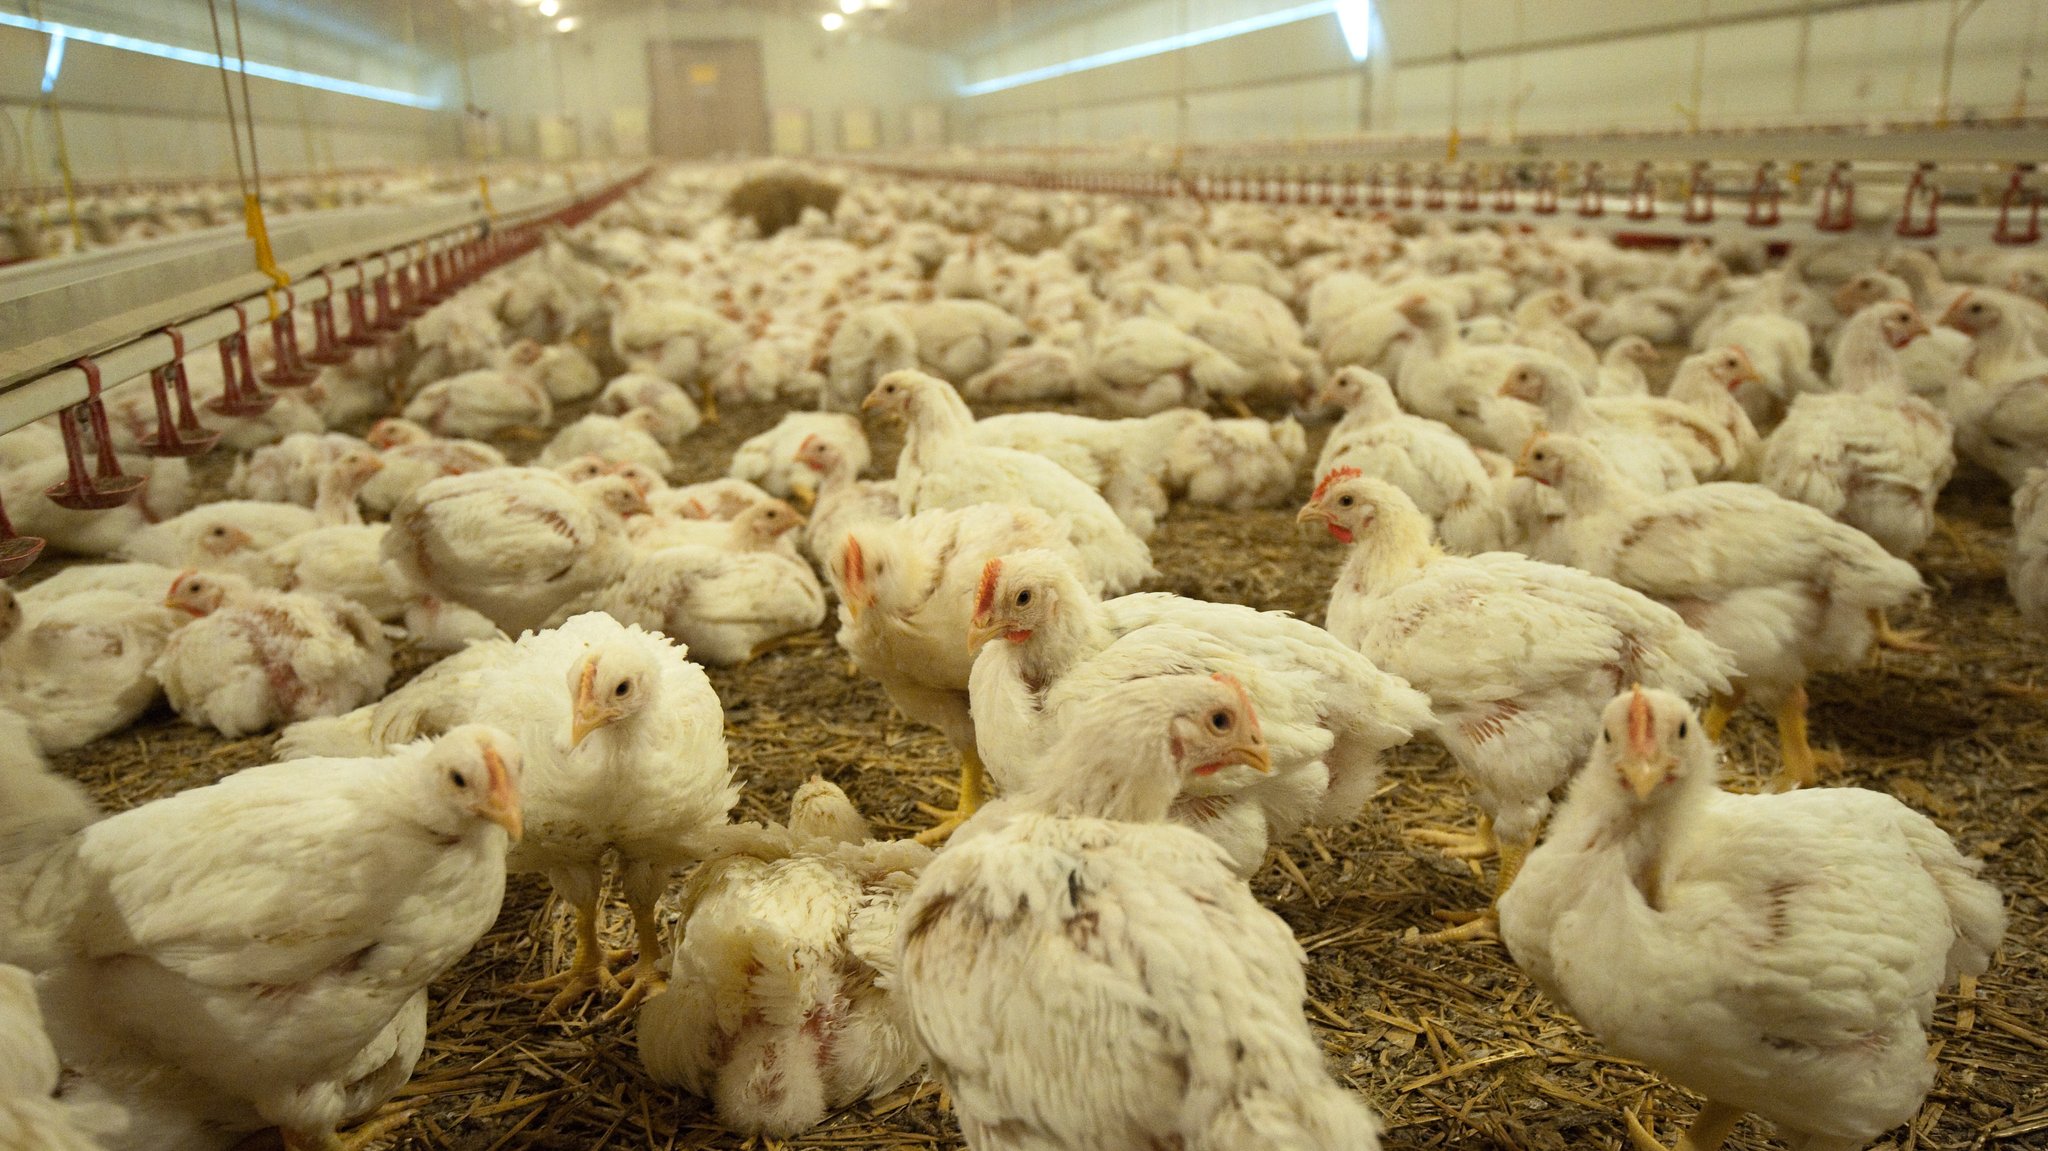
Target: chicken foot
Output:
{"points": [[588, 970], [708, 406], [973, 792], [1486, 924], [1899, 640], [1800, 764], [361, 1137], [1459, 844], [1710, 1128], [1239, 408]]}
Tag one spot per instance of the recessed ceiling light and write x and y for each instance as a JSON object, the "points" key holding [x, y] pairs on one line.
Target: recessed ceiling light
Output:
{"points": [[548, 8], [832, 21], [566, 24]]}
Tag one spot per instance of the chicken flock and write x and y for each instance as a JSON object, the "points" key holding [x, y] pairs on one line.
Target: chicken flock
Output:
{"points": [[1564, 571]]}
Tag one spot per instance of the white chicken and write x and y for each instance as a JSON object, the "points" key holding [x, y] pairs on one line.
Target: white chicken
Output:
{"points": [[1422, 457], [727, 604], [2026, 573], [38, 808], [1871, 455], [254, 658], [769, 460], [78, 666], [1143, 365], [673, 415], [258, 936], [562, 370], [227, 536], [32, 1118], [625, 746], [481, 404], [906, 592], [1645, 460], [839, 500], [167, 492], [781, 1003], [1515, 655], [1784, 588], [1088, 977], [1236, 464], [627, 439], [1124, 460], [1049, 649], [413, 457], [1778, 954], [943, 467], [513, 543]]}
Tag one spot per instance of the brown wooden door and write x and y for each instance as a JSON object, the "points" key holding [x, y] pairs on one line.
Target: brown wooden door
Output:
{"points": [[707, 98]]}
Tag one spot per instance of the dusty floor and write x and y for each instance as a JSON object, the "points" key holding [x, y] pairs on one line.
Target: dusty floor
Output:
{"points": [[1450, 1044]]}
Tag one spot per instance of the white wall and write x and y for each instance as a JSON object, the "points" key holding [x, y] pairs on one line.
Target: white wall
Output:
{"points": [[1577, 65], [132, 116], [603, 68]]}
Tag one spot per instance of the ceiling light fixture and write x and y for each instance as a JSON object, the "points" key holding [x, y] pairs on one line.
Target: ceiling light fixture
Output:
{"points": [[549, 8], [73, 32], [832, 21], [851, 6], [566, 24], [1196, 38]]}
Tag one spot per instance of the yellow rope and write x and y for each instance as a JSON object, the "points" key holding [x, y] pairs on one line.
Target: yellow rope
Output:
{"points": [[259, 235], [483, 188]]}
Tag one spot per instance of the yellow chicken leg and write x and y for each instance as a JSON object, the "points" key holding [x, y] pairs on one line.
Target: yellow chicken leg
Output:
{"points": [[973, 792], [1800, 764], [709, 407], [1238, 408], [1710, 1129], [1721, 710], [587, 971], [645, 977], [1898, 640]]}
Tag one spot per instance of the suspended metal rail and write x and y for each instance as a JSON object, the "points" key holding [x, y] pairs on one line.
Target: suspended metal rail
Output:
{"points": [[1962, 187], [187, 292]]}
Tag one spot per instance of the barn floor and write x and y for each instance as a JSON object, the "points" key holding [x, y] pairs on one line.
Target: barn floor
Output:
{"points": [[1452, 1046]]}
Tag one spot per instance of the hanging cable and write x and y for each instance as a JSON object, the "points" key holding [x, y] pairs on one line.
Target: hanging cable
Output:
{"points": [[63, 153], [251, 181], [474, 141]]}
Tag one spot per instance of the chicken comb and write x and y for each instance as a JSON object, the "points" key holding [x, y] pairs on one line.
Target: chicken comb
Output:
{"points": [[1641, 740], [1244, 698], [1336, 475], [985, 593], [856, 563]]}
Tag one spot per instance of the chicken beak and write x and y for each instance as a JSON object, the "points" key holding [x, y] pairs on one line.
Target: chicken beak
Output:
{"points": [[1311, 513], [1643, 775], [804, 495], [1252, 753], [589, 713], [502, 808], [873, 400], [1953, 317], [982, 630]]}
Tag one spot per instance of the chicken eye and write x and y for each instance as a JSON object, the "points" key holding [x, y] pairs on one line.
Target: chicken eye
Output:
{"points": [[1683, 727], [1346, 501], [624, 689], [1024, 598], [458, 779], [1220, 720]]}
